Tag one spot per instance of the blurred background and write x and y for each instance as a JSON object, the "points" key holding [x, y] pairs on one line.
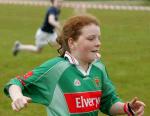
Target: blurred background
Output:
{"points": [[125, 50]]}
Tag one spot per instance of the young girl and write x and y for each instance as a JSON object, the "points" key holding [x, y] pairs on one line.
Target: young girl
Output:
{"points": [[75, 83]]}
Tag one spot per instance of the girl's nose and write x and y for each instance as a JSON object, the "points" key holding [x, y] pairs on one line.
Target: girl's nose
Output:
{"points": [[98, 43]]}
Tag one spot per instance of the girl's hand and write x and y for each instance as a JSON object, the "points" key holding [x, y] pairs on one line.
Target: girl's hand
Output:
{"points": [[137, 106], [20, 103]]}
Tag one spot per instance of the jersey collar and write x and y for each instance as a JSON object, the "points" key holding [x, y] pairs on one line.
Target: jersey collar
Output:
{"points": [[74, 61], [71, 59]]}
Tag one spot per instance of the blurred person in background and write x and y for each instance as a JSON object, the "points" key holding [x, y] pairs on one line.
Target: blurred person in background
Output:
{"points": [[46, 34]]}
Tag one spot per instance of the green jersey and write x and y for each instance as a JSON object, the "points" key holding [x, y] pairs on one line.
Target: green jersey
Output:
{"points": [[66, 90]]}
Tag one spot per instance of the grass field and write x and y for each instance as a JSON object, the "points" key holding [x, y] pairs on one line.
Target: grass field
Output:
{"points": [[125, 50]]}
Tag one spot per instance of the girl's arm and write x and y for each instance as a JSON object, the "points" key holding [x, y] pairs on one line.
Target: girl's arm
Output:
{"points": [[135, 107], [19, 101]]}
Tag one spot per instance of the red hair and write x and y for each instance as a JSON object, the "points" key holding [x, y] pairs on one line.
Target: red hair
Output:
{"points": [[72, 29]]}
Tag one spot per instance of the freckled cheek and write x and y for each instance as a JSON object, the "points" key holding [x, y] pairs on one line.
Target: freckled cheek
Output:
{"points": [[82, 47]]}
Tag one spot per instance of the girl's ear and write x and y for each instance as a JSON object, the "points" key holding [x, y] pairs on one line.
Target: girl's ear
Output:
{"points": [[70, 43]]}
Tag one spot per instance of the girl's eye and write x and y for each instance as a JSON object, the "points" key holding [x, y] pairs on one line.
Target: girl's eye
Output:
{"points": [[91, 38]]}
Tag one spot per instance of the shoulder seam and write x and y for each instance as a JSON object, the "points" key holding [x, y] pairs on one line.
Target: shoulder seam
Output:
{"points": [[48, 71]]}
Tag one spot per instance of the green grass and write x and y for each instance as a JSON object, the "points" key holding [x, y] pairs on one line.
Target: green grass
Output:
{"points": [[119, 2], [125, 50]]}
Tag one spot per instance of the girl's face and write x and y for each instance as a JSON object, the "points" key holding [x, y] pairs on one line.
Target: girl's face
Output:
{"points": [[86, 47]]}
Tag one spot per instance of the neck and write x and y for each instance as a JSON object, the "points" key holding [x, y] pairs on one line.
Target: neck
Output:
{"points": [[83, 65]]}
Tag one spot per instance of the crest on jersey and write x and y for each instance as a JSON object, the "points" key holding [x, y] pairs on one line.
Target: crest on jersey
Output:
{"points": [[97, 81], [77, 82]]}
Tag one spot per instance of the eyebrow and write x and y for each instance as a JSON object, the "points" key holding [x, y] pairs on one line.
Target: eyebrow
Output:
{"points": [[93, 35]]}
